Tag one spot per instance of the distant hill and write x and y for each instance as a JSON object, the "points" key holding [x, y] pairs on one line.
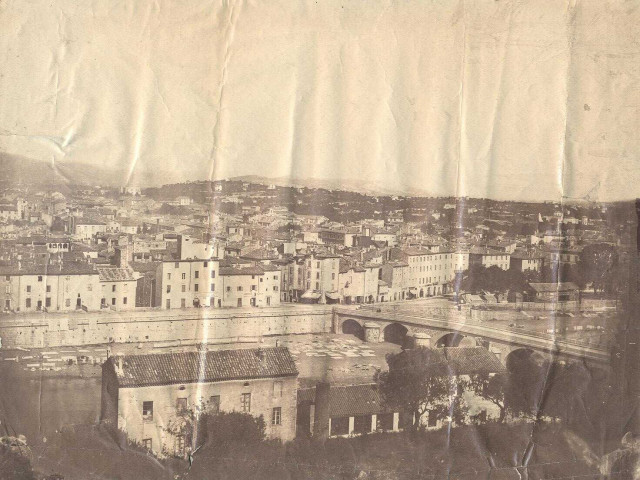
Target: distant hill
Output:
{"points": [[15, 169], [351, 185]]}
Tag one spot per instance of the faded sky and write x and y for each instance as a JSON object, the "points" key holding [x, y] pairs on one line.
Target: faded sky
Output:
{"points": [[507, 99]]}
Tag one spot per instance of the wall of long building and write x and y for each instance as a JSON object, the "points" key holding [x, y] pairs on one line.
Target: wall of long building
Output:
{"points": [[189, 325]]}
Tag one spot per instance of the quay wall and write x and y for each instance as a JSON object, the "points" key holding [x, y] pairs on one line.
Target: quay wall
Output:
{"points": [[192, 325]]}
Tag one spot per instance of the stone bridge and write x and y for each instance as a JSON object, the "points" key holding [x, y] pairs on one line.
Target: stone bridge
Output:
{"points": [[404, 329]]}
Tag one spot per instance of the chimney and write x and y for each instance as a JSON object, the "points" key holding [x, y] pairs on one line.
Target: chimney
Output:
{"points": [[118, 364]]}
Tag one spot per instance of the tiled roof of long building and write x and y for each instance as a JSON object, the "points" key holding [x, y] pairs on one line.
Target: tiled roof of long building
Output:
{"points": [[194, 367]]}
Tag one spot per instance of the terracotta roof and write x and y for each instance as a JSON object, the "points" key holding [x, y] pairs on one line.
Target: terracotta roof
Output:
{"points": [[67, 268], [472, 361], [227, 271], [195, 367], [348, 400], [115, 274]]}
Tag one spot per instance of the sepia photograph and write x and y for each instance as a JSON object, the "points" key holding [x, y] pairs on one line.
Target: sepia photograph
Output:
{"points": [[320, 240]]}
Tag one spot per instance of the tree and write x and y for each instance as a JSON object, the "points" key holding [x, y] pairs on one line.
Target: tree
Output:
{"points": [[564, 391], [525, 383], [491, 388], [597, 262], [418, 381]]}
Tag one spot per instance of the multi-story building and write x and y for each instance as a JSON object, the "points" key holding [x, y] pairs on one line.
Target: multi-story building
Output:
{"points": [[152, 403], [359, 284], [86, 228], [244, 286], [292, 285], [489, 258], [430, 270], [526, 261], [117, 288], [52, 286], [188, 283], [321, 278], [395, 274]]}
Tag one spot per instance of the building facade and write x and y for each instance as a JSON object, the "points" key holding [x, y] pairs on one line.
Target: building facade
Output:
{"points": [[151, 403]]}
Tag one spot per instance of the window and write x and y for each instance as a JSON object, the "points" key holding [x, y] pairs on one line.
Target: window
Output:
{"points": [[214, 404], [113, 301], [195, 287], [168, 303], [39, 278], [183, 303], [7, 304], [147, 411], [228, 289], [277, 389], [7, 289], [253, 288], [433, 419], [276, 416], [169, 276], [213, 287], [275, 277], [28, 303], [240, 288], [261, 279], [275, 288], [179, 444], [124, 300], [181, 405], [7, 278], [213, 274], [177, 265], [317, 275], [184, 288], [48, 288], [47, 302], [245, 402], [146, 443], [333, 276], [205, 264], [196, 274], [168, 288], [239, 302], [184, 276], [28, 288]]}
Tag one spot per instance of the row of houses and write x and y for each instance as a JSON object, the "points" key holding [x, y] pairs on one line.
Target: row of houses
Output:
{"points": [[153, 404]]}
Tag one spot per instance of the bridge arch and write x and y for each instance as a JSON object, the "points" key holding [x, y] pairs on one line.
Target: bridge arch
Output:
{"points": [[395, 333], [455, 339], [351, 327]]}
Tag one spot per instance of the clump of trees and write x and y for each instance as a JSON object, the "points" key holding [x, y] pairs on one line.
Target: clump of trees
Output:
{"points": [[418, 382], [494, 279]]}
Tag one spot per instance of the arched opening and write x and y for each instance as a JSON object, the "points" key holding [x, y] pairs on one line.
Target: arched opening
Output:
{"points": [[455, 339], [351, 327], [395, 333], [428, 291], [421, 293]]}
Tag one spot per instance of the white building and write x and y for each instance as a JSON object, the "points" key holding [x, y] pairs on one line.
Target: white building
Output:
{"points": [[151, 403]]}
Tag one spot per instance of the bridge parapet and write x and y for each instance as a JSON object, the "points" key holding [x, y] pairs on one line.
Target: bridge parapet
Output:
{"points": [[499, 339]]}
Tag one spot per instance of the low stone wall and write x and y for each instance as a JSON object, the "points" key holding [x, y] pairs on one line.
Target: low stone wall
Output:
{"points": [[160, 326]]}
